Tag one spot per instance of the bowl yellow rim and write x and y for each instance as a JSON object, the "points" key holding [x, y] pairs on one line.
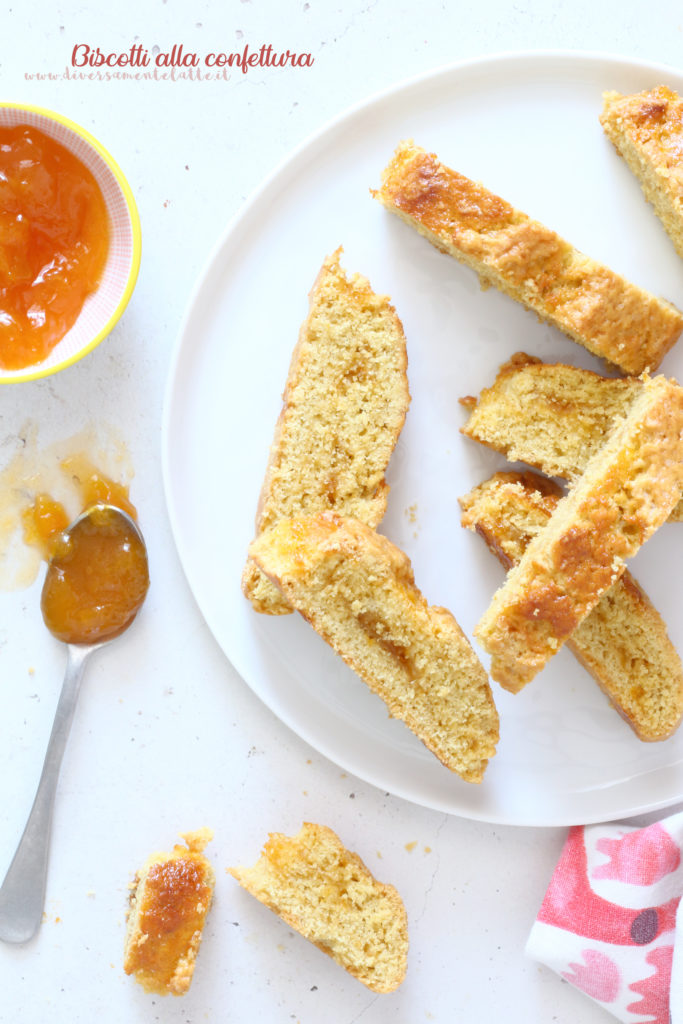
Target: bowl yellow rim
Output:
{"points": [[35, 374]]}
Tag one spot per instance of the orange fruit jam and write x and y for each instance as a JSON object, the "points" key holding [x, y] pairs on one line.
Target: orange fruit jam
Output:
{"points": [[43, 522], [45, 519], [54, 240], [96, 581], [97, 575]]}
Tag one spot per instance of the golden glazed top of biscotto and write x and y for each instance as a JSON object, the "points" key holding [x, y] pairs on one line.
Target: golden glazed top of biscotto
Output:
{"points": [[623, 642], [471, 216], [596, 307], [647, 131], [653, 119], [626, 492], [169, 903]]}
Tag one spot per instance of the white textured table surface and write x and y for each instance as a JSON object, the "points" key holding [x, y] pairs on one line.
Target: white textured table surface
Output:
{"points": [[167, 737]]}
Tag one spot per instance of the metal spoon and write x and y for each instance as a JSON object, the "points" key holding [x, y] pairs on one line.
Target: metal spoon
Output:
{"points": [[22, 895]]}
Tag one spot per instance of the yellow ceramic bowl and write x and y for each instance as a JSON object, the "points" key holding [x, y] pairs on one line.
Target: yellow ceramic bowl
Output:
{"points": [[103, 308]]}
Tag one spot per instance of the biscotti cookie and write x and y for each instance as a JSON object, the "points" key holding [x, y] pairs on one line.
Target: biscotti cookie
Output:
{"points": [[327, 894], [345, 401], [551, 416], [357, 590], [169, 901], [623, 641], [627, 491], [587, 301], [647, 131]]}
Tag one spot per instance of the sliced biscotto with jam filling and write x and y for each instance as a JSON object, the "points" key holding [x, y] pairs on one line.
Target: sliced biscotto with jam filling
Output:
{"points": [[326, 893], [552, 416], [345, 402], [357, 590]]}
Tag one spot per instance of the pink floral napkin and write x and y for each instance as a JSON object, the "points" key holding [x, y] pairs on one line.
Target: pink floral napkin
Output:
{"points": [[608, 923]]}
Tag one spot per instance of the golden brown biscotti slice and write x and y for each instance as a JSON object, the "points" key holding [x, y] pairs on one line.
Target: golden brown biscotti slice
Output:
{"points": [[647, 131], [357, 590], [597, 308], [345, 403], [169, 901], [627, 491], [327, 894], [623, 641], [551, 416]]}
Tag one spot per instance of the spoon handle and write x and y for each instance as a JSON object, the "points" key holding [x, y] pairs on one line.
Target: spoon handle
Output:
{"points": [[22, 895]]}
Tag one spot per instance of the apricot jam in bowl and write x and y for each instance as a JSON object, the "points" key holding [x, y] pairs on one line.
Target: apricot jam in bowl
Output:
{"points": [[69, 242]]}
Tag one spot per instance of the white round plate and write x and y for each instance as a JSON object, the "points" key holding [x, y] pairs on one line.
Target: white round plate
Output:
{"points": [[527, 126]]}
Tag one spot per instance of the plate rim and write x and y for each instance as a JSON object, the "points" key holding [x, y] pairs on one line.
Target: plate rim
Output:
{"points": [[202, 283]]}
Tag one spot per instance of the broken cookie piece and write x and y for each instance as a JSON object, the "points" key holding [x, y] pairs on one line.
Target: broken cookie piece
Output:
{"points": [[170, 898], [327, 894]]}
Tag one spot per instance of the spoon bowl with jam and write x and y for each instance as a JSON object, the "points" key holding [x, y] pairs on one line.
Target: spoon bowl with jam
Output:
{"points": [[96, 582]]}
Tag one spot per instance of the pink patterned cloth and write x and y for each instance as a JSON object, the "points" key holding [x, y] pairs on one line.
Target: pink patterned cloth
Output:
{"points": [[608, 923]]}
